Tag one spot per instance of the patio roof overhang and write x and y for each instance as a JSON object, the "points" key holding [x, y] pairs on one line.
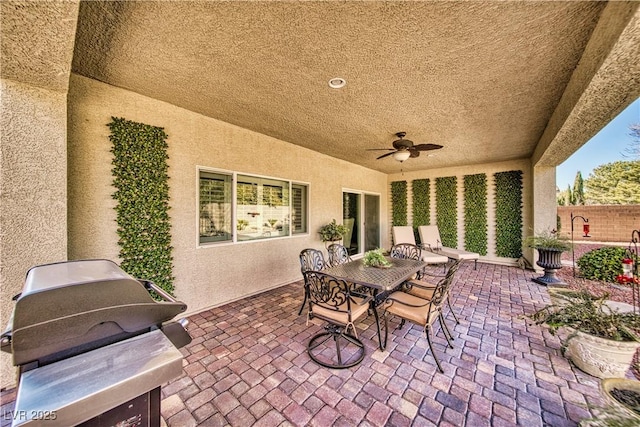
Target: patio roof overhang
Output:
{"points": [[491, 81]]}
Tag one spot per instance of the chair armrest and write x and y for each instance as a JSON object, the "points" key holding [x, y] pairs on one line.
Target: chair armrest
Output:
{"points": [[391, 300], [421, 284], [426, 273], [362, 298]]}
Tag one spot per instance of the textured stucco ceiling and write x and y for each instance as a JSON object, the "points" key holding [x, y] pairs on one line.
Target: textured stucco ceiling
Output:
{"points": [[480, 78]]}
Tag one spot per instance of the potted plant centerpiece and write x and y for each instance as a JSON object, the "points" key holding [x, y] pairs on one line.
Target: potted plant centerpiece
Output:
{"points": [[332, 232], [600, 341], [376, 258], [550, 247]]}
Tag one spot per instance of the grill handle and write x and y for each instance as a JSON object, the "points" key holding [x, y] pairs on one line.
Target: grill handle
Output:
{"points": [[150, 286]]}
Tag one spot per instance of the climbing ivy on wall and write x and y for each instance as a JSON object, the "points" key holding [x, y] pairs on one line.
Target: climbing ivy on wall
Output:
{"points": [[475, 213], [399, 203], [508, 188], [421, 204], [142, 196], [446, 210]]}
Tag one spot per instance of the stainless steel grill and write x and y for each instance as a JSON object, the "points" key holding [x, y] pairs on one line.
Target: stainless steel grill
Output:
{"points": [[92, 346]]}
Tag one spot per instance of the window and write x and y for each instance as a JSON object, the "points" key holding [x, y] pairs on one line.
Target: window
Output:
{"points": [[263, 207], [215, 207], [299, 205]]}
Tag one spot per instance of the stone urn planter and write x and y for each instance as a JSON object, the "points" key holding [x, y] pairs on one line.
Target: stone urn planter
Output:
{"points": [[600, 357], [551, 260], [623, 394], [550, 248]]}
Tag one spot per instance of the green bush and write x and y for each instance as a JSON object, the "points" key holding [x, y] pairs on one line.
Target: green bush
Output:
{"points": [[602, 264]]}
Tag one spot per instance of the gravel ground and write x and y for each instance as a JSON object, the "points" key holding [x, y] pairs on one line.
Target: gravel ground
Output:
{"points": [[596, 287]]}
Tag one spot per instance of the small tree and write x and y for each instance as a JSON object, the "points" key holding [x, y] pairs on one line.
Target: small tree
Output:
{"points": [[633, 150], [616, 183], [571, 199], [578, 190]]}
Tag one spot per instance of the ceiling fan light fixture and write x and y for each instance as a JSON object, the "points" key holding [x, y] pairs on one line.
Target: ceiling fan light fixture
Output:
{"points": [[337, 83], [401, 155]]}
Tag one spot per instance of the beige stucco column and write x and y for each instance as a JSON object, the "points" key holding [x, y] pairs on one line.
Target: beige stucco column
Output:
{"points": [[544, 212], [606, 80], [37, 47]]}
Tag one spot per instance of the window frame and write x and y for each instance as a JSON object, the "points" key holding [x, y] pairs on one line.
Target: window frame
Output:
{"points": [[234, 206]]}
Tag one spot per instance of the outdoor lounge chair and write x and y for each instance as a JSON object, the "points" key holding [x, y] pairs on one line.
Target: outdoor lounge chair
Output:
{"points": [[404, 234], [430, 239]]}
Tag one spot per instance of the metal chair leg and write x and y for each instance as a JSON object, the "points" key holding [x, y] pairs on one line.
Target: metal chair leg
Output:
{"points": [[433, 352], [445, 330], [303, 304], [336, 333], [451, 310]]}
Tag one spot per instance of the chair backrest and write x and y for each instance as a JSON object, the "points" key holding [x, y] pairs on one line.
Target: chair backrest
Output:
{"points": [[430, 236], [444, 285], [403, 234], [406, 251], [338, 254], [311, 259], [330, 293]]}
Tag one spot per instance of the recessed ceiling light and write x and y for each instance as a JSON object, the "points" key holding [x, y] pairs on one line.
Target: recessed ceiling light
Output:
{"points": [[337, 82]]}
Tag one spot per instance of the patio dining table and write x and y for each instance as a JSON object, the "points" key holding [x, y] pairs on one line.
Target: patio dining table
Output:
{"points": [[380, 281]]}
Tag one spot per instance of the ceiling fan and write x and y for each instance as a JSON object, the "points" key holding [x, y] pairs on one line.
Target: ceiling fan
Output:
{"points": [[404, 148]]}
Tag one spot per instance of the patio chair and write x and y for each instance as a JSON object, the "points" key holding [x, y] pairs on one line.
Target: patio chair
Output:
{"points": [[407, 251], [424, 289], [430, 239], [338, 254], [423, 312], [310, 260], [404, 234], [334, 301]]}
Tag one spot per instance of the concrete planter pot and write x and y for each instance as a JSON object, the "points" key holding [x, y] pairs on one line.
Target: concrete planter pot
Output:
{"points": [[600, 357], [608, 385]]}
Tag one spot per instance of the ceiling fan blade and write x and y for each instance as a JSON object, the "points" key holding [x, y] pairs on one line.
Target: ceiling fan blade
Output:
{"points": [[380, 149], [414, 153], [385, 155], [426, 147]]}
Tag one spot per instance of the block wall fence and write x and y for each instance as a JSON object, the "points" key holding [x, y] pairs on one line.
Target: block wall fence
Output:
{"points": [[607, 223]]}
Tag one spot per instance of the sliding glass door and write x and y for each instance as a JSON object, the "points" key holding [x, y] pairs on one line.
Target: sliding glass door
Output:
{"points": [[371, 222], [361, 216]]}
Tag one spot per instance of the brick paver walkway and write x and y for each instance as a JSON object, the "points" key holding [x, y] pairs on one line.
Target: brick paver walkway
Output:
{"points": [[247, 365]]}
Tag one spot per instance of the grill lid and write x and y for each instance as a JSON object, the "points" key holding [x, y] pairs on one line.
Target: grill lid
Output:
{"points": [[71, 307]]}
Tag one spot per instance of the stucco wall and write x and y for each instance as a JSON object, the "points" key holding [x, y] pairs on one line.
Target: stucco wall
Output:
{"points": [[460, 172], [205, 276], [33, 168]]}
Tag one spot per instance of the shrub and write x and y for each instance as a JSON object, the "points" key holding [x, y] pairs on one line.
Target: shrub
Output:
{"points": [[602, 264]]}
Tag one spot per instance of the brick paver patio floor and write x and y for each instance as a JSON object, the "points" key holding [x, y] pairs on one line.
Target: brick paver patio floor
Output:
{"points": [[247, 365]]}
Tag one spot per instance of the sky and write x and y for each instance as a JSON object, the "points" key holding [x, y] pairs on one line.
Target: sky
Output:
{"points": [[605, 147]]}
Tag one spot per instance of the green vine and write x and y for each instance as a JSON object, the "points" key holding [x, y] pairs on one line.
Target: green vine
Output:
{"points": [[421, 204], [399, 203], [475, 213], [142, 195], [508, 186], [446, 210]]}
